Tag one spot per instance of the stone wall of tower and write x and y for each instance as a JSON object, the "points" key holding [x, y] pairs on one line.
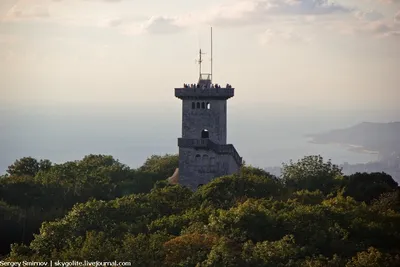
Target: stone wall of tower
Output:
{"points": [[199, 167], [196, 119]]}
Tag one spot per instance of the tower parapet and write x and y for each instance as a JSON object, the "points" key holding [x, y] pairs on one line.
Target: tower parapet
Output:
{"points": [[205, 93]]}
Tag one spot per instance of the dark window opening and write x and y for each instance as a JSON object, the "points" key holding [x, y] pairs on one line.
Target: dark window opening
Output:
{"points": [[205, 134], [203, 105], [198, 105]]}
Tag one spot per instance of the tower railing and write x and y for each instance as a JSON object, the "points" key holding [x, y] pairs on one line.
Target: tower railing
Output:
{"points": [[208, 144], [224, 93]]}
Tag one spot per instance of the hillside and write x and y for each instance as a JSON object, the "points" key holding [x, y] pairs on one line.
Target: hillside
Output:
{"points": [[367, 136], [98, 209]]}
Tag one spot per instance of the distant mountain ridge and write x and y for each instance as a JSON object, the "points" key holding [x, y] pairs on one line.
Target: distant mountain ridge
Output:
{"points": [[368, 136]]}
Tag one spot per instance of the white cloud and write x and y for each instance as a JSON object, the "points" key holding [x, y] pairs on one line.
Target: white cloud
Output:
{"points": [[290, 13], [238, 13], [379, 29], [393, 34], [115, 22], [32, 13], [305, 7], [288, 36], [371, 15], [160, 25], [110, 1], [259, 11], [390, 1]]}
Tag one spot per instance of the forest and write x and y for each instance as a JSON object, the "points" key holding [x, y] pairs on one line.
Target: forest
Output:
{"points": [[98, 209]]}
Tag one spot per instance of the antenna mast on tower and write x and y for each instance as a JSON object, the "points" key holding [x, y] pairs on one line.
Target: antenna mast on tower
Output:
{"points": [[200, 61], [211, 56]]}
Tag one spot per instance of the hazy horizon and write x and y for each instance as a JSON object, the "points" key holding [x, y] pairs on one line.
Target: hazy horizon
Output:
{"points": [[265, 136]]}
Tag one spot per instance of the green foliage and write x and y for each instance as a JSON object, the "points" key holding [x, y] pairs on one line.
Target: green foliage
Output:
{"points": [[387, 201], [44, 191], [163, 166], [308, 198], [311, 173], [24, 166], [374, 258], [188, 250], [368, 186], [99, 209], [225, 191], [281, 253]]}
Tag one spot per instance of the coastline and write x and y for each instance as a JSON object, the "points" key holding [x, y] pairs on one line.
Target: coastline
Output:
{"points": [[350, 147]]}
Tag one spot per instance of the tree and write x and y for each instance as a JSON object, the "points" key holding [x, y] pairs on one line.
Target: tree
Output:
{"points": [[280, 253], [368, 186], [164, 166], [225, 253], [188, 250], [226, 191], [308, 198], [99, 209], [311, 173], [374, 258], [24, 166], [387, 201]]}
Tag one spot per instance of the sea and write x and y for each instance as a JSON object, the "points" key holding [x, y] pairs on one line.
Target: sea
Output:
{"points": [[264, 134]]}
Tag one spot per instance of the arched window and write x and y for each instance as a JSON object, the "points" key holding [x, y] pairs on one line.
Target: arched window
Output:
{"points": [[205, 158], [198, 104], [198, 158], [203, 105], [193, 105], [205, 134], [208, 105]]}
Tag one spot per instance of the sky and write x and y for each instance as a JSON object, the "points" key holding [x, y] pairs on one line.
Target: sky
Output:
{"points": [[313, 53]]}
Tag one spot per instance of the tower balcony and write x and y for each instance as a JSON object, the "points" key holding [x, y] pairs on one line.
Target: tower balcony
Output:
{"points": [[204, 93]]}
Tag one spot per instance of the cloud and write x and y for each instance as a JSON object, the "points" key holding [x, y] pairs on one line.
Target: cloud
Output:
{"points": [[115, 22], [305, 7], [379, 29], [161, 25], [34, 12], [234, 14], [287, 13], [397, 17], [371, 15], [393, 34], [109, 1], [152, 25], [244, 12], [288, 36], [390, 1]]}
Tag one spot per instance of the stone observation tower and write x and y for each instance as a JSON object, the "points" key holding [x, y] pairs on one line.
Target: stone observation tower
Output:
{"points": [[203, 150]]}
